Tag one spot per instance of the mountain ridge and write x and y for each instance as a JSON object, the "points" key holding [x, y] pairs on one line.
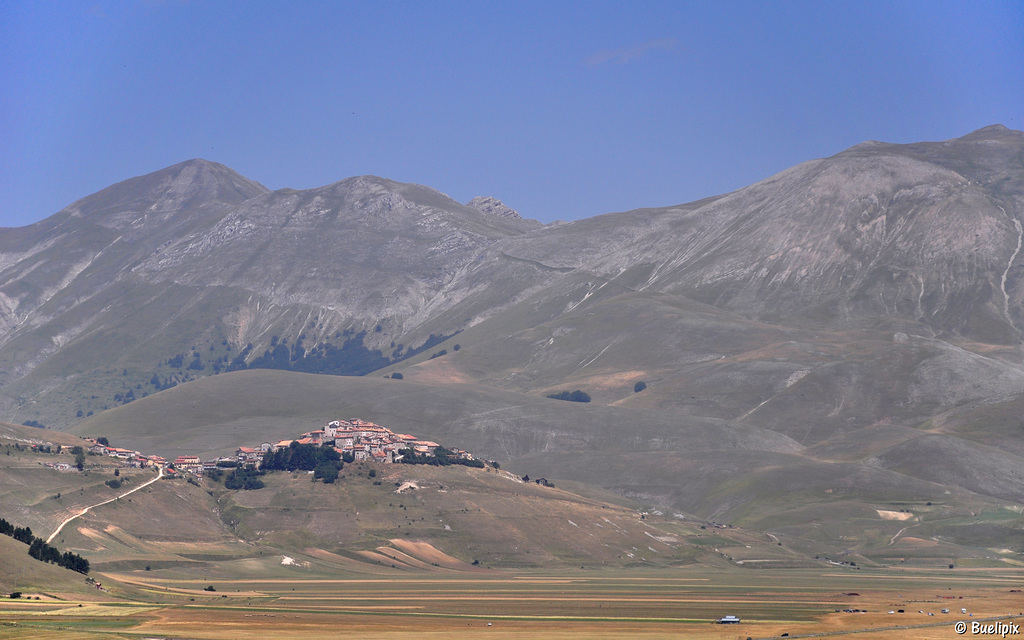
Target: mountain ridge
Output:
{"points": [[862, 308]]}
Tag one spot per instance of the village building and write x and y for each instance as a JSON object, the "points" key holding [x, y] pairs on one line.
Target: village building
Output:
{"points": [[192, 464], [123, 454], [425, 447], [355, 438], [249, 455]]}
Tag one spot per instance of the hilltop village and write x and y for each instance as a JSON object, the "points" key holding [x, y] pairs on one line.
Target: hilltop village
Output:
{"points": [[353, 439]]}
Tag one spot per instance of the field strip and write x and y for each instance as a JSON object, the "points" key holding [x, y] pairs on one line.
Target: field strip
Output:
{"points": [[958, 578], [463, 616], [388, 581], [902, 627], [610, 579], [90, 610], [464, 596]]}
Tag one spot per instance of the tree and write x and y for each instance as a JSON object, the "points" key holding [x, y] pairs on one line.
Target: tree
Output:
{"points": [[326, 471], [103, 440], [246, 479], [640, 386], [79, 454]]}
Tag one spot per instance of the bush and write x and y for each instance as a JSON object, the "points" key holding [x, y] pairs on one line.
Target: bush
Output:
{"points": [[246, 479], [396, 376], [574, 396], [640, 386], [113, 484], [326, 471], [15, 595]]}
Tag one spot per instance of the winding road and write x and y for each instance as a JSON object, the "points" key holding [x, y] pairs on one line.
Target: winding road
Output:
{"points": [[100, 504]]}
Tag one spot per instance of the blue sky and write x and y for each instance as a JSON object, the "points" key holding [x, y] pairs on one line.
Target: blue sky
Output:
{"points": [[562, 111]]}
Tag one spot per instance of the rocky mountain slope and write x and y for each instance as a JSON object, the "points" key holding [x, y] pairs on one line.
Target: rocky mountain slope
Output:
{"points": [[866, 308], [195, 257]]}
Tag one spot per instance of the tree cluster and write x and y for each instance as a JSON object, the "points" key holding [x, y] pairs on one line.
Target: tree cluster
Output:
{"points": [[242, 478], [40, 550], [571, 396], [301, 457], [79, 454], [442, 458], [352, 358]]}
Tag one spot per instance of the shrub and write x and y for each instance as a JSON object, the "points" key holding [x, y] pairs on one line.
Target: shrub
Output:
{"points": [[573, 396], [326, 471], [245, 479], [640, 386]]}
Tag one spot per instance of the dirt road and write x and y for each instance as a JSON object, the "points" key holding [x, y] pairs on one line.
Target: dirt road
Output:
{"points": [[100, 504]]}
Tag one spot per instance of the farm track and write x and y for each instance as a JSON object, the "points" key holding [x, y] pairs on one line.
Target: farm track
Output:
{"points": [[100, 504]]}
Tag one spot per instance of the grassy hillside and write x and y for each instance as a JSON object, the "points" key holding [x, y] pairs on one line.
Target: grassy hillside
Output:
{"points": [[823, 499], [377, 517], [21, 572], [219, 413]]}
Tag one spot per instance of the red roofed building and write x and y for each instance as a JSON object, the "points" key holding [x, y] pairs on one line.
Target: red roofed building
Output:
{"points": [[191, 464]]}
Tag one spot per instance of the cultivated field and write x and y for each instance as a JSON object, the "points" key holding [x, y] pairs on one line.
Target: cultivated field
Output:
{"points": [[568, 604]]}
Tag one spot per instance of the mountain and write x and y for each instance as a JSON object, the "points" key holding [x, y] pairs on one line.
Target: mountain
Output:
{"points": [[196, 258], [848, 327], [493, 206]]}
